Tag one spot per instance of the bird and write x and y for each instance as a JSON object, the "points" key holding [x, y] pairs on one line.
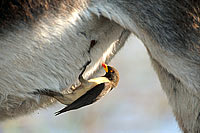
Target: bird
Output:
{"points": [[97, 92], [88, 92]]}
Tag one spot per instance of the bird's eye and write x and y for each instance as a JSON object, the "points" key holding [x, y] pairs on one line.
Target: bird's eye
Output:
{"points": [[111, 71]]}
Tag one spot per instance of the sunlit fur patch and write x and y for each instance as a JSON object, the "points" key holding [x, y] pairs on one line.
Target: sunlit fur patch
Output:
{"points": [[105, 58]]}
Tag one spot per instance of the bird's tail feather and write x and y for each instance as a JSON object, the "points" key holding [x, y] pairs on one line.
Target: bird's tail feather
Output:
{"points": [[62, 111]]}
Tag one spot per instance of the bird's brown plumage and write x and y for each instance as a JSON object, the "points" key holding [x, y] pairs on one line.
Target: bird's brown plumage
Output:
{"points": [[96, 92], [88, 92]]}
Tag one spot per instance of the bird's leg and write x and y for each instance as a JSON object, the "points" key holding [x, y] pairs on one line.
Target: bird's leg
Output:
{"points": [[78, 91], [69, 97], [80, 77]]}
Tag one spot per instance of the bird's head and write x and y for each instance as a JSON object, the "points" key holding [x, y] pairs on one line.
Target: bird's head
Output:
{"points": [[111, 73]]}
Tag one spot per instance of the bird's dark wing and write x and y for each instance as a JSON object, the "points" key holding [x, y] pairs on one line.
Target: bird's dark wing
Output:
{"points": [[89, 97]]}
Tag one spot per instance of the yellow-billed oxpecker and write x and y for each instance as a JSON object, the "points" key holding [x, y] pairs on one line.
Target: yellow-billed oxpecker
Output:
{"points": [[88, 92]]}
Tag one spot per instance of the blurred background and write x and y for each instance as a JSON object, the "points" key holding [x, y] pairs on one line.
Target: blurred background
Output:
{"points": [[137, 105]]}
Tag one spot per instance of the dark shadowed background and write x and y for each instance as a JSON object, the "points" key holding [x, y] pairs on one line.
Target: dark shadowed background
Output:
{"points": [[137, 105]]}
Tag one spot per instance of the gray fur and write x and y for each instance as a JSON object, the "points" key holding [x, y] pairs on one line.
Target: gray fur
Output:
{"points": [[51, 53], [170, 32]]}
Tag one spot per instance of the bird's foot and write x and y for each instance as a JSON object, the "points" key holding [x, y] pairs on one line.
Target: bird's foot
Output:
{"points": [[83, 70]]}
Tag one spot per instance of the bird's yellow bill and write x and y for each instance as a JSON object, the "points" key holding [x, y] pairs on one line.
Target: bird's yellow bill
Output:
{"points": [[105, 67]]}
